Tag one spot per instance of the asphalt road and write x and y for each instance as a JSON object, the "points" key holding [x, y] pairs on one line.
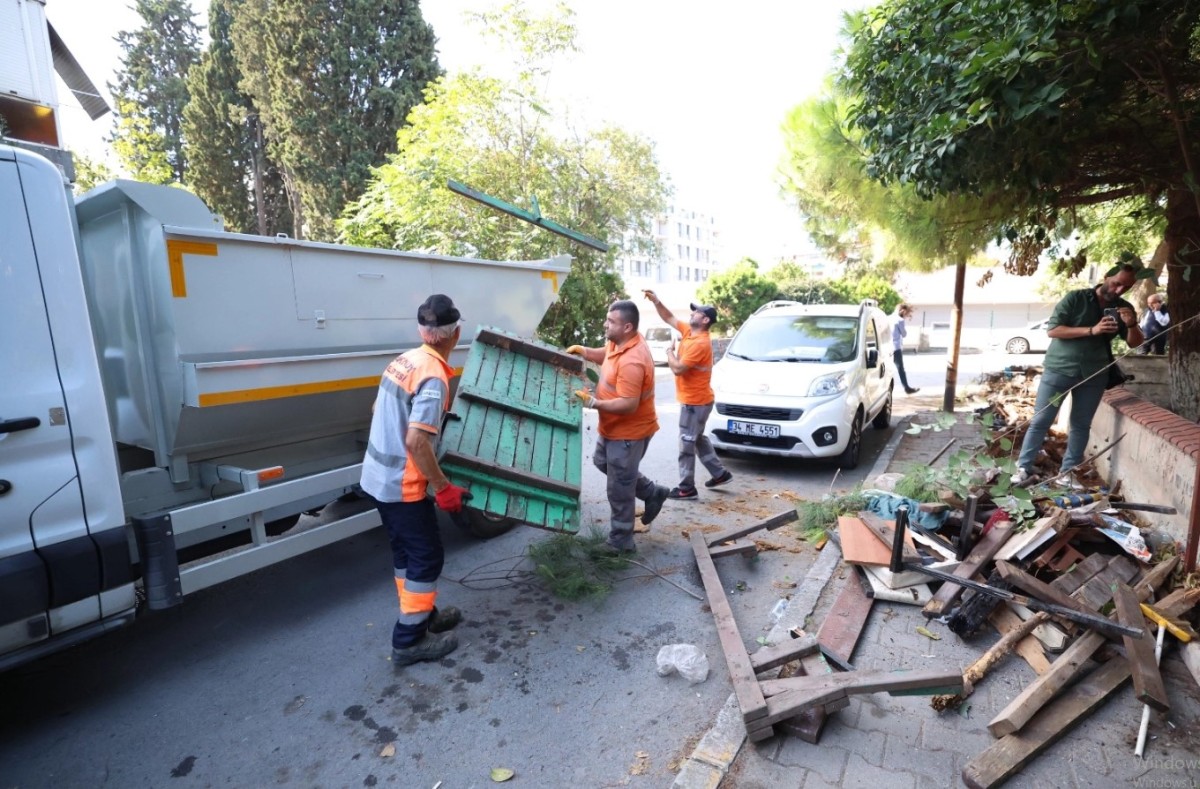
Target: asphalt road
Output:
{"points": [[283, 678]]}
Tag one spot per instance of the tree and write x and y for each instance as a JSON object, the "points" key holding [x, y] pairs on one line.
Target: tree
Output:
{"points": [[226, 148], [504, 138], [332, 83], [1056, 105], [89, 173], [151, 91], [737, 293]]}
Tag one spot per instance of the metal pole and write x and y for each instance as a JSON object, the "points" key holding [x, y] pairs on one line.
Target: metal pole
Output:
{"points": [[964, 534]]}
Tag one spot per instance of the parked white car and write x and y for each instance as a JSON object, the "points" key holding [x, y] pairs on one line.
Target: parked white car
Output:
{"points": [[659, 339], [1032, 338], [801, 380]]}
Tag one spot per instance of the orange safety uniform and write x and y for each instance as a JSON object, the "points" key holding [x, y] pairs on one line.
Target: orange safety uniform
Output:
{"points": [[694, 387], [628, 371], [413, 392]]}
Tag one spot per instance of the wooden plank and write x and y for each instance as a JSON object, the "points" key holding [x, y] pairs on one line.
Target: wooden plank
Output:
{"points": [[1096, 593], [1040, 530], [844, 623], [773, 522], [735, 548], [741, 672], [1068, 665], [809, 724], [1028, 648], [1147, 679], [1191, 659], [507, 472], [778, 654], [551, 356], [886, 532], [788, 697], [980, 555], [1053, 638], [495, 399], [1005, 757], [859, 545], [909, 595], [1080, 574], [1036, 587]]}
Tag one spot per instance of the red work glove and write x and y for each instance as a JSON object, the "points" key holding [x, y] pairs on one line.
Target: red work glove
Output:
{"points": [[451, 498]]}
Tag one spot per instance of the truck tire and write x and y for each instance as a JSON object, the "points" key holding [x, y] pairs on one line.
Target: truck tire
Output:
{"points": [[485, 525]]}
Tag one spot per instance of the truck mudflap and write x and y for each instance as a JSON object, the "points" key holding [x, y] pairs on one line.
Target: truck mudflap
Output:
{"points": [[514, 436], [160, 566]]}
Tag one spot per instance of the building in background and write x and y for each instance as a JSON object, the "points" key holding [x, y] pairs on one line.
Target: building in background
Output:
{"points": [[689, 253]]}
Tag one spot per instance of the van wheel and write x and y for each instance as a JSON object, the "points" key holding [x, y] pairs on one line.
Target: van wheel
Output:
{"points": [[485, 525], [849, 457], [884, 417]]}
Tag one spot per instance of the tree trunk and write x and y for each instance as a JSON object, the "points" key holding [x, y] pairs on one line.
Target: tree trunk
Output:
{"points": [[1182, 239]]}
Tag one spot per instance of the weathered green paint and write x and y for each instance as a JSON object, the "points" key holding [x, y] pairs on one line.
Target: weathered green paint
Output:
{"points": [[516, 409], [533, 217]]}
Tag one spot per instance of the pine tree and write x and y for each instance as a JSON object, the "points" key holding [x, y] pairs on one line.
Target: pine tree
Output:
{"points": [[228, 165], [151, 90], [332, 82]]}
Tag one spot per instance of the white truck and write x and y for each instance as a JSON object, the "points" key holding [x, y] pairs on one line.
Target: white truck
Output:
{"points": [[172, 396]]}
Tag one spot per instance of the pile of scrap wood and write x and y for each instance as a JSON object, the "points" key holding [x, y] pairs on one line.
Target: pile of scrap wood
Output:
{"points": [[1081, 594]]}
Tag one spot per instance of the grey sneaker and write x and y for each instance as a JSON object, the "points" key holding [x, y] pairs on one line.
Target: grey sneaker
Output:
{"points": [[431, 647], [654, 503], [1020, 477]]}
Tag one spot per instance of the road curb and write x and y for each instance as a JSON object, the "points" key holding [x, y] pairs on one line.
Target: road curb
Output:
{"points": [[708, 763], [889, 450]]}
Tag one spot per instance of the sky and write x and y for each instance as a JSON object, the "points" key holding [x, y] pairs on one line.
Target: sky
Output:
{"points": [[708, 81]]}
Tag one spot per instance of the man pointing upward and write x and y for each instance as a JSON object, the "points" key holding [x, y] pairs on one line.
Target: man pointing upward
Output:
{"points": [[692, 365]]}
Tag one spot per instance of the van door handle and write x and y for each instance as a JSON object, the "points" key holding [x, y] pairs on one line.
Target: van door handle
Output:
{"points": [[21, 423]]}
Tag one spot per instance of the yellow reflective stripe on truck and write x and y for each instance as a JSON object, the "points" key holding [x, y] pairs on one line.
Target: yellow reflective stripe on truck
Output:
{"points": [[553, 277], [176, 249], [291, 390]]}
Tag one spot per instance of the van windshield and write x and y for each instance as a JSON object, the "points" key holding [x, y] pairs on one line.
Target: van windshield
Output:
{"points": [[804, 338], [659, 334]]}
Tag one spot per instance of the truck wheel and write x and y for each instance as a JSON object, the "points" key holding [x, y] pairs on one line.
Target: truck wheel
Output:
{"points": [[485, 525], [849, 457]]}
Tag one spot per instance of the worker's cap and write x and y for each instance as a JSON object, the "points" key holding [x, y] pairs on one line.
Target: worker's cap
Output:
{"points": [[711, 312], [438, 310]]}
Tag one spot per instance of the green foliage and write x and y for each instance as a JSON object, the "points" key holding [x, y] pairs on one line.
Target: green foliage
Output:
{"points": [[737, 292], [575, 567], [504, 138], [228, 165], [919, 483], [89, 173], [817, 517], [332, 82], [151, 91]]}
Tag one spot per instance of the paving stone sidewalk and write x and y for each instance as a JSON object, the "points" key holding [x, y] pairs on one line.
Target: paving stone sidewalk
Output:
{"points": [[885, 741]]}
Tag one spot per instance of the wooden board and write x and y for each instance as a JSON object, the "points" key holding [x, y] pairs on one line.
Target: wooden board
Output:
{"points": [[773, 522], [860, 545], [778, 654], [1005, 757], [1053, 639], [1036, 587], [844, 623], [1147, 680], [741, 673], [737, 547], [1081, 573], [1096, 593], [1005, 621], [909, 595], [980, 555], [885, 531]]}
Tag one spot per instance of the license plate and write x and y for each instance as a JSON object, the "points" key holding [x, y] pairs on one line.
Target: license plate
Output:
{"points": [[753, 429]]}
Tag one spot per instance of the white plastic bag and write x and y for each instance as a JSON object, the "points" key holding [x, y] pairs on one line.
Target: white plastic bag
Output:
{"points": [[687, 659]]}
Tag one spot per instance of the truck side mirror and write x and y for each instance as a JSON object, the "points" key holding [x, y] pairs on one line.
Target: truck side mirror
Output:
{"points": [[872, 358]]}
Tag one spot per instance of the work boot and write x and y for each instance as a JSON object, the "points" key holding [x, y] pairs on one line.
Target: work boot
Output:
{"points": [[431, 647], [721, 480], [654, 503], [443, 619], [680, 492], [911, 389]]}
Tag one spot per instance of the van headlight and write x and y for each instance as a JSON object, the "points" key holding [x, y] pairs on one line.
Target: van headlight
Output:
{"points": [[828, 385]]}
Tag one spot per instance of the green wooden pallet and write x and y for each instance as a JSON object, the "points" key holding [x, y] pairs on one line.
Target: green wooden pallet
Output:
{"points": [[514, 436]]}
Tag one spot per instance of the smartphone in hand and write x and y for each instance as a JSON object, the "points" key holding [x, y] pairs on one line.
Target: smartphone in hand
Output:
{"points": [[1114, 313]]}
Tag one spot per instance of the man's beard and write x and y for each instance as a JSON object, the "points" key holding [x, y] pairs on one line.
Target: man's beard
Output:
{"points": [[696, 324]]}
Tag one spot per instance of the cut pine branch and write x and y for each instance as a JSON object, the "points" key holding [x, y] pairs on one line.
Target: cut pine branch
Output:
{"points": [[990, 659]]}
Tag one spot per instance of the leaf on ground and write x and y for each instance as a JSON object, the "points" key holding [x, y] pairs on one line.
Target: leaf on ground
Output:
{"points": [[388, 751], [642, 764], [501, 774], [929, 634]]}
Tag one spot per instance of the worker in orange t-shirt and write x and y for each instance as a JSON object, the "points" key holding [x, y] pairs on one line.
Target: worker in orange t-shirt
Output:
{"points": [[692, 363], [624, 398]]}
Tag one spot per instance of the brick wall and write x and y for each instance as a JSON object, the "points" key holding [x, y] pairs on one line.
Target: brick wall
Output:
{"points": [[1155, 462]]}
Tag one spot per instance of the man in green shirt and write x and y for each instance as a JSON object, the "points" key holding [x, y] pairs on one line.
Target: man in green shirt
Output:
{"points": [[1081, 336]]}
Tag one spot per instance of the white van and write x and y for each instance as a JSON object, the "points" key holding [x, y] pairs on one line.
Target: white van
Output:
{"points": [[801, 380], [659, 339]]}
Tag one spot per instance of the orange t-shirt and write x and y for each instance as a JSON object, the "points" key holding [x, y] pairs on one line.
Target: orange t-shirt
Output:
{"points": [[694, 386], [628, 371]]}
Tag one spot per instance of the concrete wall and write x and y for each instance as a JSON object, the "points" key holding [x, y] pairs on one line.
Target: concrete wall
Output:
{"points": [[1156, 461]]}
